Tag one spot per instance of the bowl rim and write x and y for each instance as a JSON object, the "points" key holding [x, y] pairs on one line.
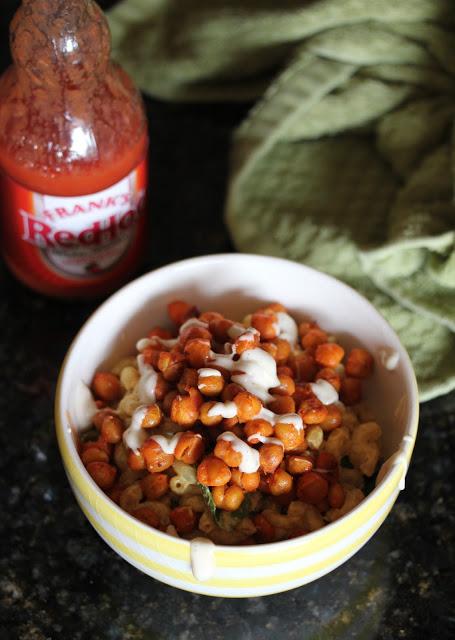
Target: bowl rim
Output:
{"points": [[62, 432]]}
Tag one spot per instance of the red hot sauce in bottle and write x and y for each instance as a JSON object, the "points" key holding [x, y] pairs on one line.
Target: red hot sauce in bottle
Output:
{"points": [[73, 147]]}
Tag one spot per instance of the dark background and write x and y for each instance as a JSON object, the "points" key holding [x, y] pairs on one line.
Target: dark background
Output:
{"points": [[59, 580]]}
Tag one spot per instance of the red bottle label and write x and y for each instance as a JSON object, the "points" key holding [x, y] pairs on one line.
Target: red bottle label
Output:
{"points": [[77, 238]]}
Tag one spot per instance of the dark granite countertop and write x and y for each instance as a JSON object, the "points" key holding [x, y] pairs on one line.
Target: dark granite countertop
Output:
{"points": [[58, 579]]}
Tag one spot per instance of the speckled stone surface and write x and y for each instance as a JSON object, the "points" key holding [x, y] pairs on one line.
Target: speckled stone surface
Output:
{"points": [[58, 579]]}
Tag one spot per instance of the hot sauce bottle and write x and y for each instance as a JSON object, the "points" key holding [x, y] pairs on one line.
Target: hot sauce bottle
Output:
{"points": [[73, 146]]}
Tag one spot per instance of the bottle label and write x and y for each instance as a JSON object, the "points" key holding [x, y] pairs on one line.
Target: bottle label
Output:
{"points": [[77, 237]]}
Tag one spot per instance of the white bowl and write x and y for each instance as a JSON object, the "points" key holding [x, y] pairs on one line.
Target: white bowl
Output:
{"points": [[235, 284]]}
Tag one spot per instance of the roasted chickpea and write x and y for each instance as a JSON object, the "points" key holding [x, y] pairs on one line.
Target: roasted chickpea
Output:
{"points": [[329, 354], [112, 429], [257, 426], [266, 323], [168, 400], [190, 447], [135, 461], [331, 376], [154, 485], [228, 498], [305, 326], [285, 370], [179, 311], [312, 411], [359, 364], [183, 519], [210, 385], [161, 388], [336, 496], [103, 474], [249, 482], [283, 350], [171, 365], [159, 332], [280, 482], [333, 419], [213, 472], [304, 366], [152, 418], [312, 338], [297, 464], [312, 488], [290, 436], [225, 451], [155, 458], [100, 443], [351, 391], [246, 341], [208, 316], [286, 388], [219, 328], [94, 454], [106, 386], [327, 462], [100, 415], [151, 354], [185, 409], [194, 333], [209, 421], [197, 352], [248, 406], [188, 379], [270, 457], [282, 404]]}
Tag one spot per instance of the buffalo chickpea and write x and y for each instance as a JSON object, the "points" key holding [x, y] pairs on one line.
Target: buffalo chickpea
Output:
{"points": [[329, 354], [329, 374], [304, 366], [194, 333], [151, 354], [213, 472], [228, 498], [225, 451], [209, 421], [265, 530], [287, 386], [94, 454], [106, 386], [99, 417], [179, 311], [266, 323], [183, 519], [171, 365], [230, 391], [276, 307], [312, 338], [190, 447], [185, 409], [306, 325], [219, 328], [257, 426], [270, 457], [197, 352], [103, 474], [285, 370], [159, 332], [280, 482], [333, 419], [147, 515], [327, 462], [297, 464], [187, 380], [249, 482], [152, 418], [290, 436], [161, 388], [283, 350], [351, 391], [359, 364], [135, 461], [312, 411], [112, 429], [208, 316], [246, 341], [248, 406], [154, 485], [282, 405], [168, 400], [210, 385], [155, 458], [312, 487], [270, 347], [336, 495]]}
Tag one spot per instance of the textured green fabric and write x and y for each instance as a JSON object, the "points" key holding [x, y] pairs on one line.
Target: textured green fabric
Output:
{"points": [[346, 161]]}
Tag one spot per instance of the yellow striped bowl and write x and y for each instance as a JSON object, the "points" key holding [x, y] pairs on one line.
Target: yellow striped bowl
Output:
{"points": [[235, 284]]}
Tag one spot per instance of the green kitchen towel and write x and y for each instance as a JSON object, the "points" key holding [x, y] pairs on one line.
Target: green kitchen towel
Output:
{"points": [[346, 162]]}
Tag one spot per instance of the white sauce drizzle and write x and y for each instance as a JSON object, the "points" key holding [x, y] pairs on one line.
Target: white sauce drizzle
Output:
{"points": [[224, 409], [169, 443], [250, 456], [202, 558], [275, 418], [257, 373], [206, 372], [143, 343], [265, 439], [324, 391], [287, 327], [84, 406], [146, 386], [389, 358], [134, 437]]}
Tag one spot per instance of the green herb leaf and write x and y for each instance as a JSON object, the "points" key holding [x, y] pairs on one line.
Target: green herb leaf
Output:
{"points": [[208, 498], [224, 518]]}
